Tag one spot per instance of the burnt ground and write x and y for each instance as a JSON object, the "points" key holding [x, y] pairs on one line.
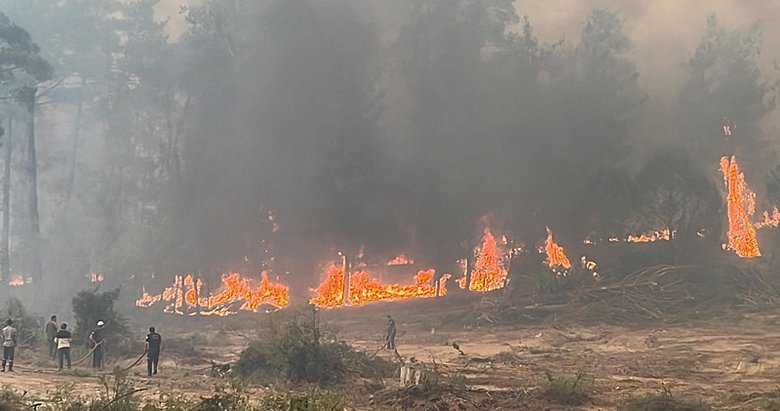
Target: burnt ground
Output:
{"points": [[727, 360]]}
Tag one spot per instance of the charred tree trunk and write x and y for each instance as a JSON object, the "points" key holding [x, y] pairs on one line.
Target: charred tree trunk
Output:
{"points": [[32, 199], [75, 145], [5, 243]]}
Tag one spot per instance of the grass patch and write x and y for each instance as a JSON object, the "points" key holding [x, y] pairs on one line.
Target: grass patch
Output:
{"points": [[661, 402], [506, 357], [567, 389], [312, 400]]}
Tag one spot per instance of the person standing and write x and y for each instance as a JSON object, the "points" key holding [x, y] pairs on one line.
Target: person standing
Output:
{"points": [[51, 332], [153, 342], [98, 338], [390, 332], [9, 345], [62, 340]]}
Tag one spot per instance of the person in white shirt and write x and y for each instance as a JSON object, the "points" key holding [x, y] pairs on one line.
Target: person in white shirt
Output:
{"points": [[62, 339], [9, 345]]}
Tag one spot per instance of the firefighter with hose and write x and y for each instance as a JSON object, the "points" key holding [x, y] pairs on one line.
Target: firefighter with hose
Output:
{"points": [[153, 342], [97, 337]]}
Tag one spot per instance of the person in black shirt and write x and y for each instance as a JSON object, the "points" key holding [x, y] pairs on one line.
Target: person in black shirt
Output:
{"points": [[98, 339], [390, 332], [62, 340], [153, 342]]}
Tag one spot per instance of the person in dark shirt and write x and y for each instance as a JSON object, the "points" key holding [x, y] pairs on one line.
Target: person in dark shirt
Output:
{"points": [[51, 332], [62, 341], [390, 332], [153, 342], [98, 339]]}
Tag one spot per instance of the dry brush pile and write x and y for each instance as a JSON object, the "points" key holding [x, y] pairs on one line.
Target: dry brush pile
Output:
{"points": [[660, 292]]}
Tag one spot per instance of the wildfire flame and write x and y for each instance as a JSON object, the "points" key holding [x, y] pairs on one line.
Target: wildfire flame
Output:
{"points": [[488, 274], [16, 281], [443, 284], [654, 236], [331, 292], [365, 289], [400, 259], [556, 256], [770, 221], [186, 294], [95, 277], [741, 203]]}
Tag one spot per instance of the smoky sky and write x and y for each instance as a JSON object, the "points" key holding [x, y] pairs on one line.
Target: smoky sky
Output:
{"points": [[387, 126], [408, 126]]}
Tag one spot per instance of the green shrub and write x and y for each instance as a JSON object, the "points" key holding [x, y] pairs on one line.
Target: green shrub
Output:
{"points": [[10, 400], [89, 307], [291, 346]]}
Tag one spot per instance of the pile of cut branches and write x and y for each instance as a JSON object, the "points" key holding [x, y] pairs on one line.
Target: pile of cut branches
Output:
{"points": [[658, 292], [652, 293]]}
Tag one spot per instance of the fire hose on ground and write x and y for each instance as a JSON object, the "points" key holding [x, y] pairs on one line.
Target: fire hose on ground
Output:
{"points": [[88, 354], [138, 361]]}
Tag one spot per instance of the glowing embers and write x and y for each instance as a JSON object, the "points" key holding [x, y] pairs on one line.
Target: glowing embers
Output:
{"points": [[186, 296], [556, 256], [663, 235], [364, 289], [489, 272], [741, 202]]}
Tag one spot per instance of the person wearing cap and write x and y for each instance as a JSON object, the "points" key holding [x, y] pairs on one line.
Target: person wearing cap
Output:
{"points": [[51, 332], [9, 344], [97, 338], [153, 342], [62, 340]]}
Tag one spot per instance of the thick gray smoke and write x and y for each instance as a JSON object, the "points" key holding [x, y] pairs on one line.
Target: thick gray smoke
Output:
{"points": [[390, 126], [398, 125]]}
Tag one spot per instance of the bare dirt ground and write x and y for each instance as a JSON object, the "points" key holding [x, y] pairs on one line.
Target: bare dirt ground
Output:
{"points": [[727, 360]]}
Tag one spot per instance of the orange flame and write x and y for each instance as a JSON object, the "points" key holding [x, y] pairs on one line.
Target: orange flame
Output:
{"points": [[443, 284], [741, 203], [364, 289], [186, 291], [400, 259], [488, 273], [95, 277], [770, 221], [331, 292], [664, 235], [556, 256], [16, 281]]}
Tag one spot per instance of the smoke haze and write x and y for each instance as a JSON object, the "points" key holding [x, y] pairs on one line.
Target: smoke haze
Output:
{"points": [[386, 126]]}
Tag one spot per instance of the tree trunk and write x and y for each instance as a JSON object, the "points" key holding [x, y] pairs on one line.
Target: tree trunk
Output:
{"points": [[75, 146], [32, 199], [5, 242]]}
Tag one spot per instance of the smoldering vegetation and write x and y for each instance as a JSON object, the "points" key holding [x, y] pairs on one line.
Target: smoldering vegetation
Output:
{"points": [[271, 134]]}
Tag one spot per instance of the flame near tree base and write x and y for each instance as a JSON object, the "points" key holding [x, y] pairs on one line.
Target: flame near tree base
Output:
{"points": [[186, 296], [364, 289]]}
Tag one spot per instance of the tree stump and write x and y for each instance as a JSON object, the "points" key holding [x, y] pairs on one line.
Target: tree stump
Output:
{"points": [[412, 376]]}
